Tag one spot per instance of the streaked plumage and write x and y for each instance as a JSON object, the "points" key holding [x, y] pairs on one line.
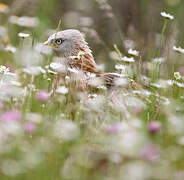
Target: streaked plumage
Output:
{"points": [[71, 45]]}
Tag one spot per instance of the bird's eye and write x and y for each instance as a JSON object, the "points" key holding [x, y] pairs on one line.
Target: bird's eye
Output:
{"points": [[59, 41]]}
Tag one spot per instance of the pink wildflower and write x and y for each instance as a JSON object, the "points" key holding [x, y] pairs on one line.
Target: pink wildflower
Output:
{"points": [[42, 96], [9, 116], [29, 127]]}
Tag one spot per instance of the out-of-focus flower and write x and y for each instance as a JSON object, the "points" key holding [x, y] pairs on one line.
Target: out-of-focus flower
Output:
{"points": [[29, 127], [58, 67], [23, 35], [133, 52], [42, 96], [16, 83], [34, 70], [10, 48], [154, 127], [177, 75], [7, 77], [168, 16], [137, 110], [10, 116], [62, 90], [8, 91], [179, 49], [24, 21], [150, 152], [158, 60], [41, 48], [95, 102], [4, 8], [179, 84], [121, 82], [66, 130], [4, 70], [127, 59], [121, 67], [115, 128]]}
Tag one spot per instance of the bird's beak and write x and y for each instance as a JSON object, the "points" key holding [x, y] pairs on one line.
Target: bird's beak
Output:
{"points": [[46, 43]]}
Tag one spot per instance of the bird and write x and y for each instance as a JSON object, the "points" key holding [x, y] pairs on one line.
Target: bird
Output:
{"points": [[71, 45]]}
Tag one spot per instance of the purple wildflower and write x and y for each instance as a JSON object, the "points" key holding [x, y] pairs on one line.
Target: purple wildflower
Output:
{"points": [[150, 152], [42, 96], [154, 127], [115, 128], [9, 116], [29, 127]]}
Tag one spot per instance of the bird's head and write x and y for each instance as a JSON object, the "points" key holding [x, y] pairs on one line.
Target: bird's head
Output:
{"points": [[66, 43]]}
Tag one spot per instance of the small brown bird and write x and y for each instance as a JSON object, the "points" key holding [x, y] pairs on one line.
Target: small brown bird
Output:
{"points": [[71, 45]]}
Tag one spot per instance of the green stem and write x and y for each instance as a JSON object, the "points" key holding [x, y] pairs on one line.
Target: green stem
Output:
{"points": [[156, 68], [162, 36]]}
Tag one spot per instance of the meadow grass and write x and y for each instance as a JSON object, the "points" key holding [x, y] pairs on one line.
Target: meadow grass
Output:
{"points": [[134, 130]]}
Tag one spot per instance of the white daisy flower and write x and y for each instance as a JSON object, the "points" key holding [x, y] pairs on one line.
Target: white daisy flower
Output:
{"points": [[4, 70], [23, 35], [10, 48], [127, 59], [180, 84], [179, 49], [133, 52], [177, 75], [166, 15]]}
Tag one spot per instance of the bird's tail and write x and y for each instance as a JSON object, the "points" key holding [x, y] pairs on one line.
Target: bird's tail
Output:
{"points": [[110, 78]]}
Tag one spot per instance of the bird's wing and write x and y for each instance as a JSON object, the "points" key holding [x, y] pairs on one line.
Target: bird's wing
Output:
{"points": [[85, 63]]}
